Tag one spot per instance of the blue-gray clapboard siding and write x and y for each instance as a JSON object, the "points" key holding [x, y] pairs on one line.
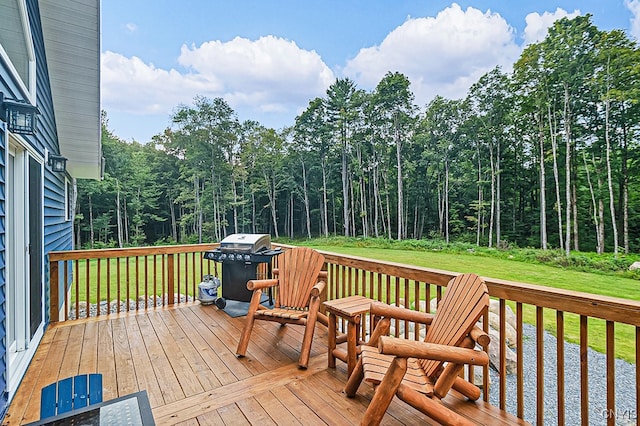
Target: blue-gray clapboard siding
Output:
{"points": [[57, 232]]}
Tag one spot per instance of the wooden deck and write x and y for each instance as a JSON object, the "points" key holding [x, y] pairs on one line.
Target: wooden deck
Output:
{"points": [[184, 357]]}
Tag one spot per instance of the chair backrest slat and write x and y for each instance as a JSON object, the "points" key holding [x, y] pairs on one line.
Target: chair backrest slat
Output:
{"points": [[70, 393], [298, 272], [464, 302], [65, 395], [80, 391], [95, 388]]}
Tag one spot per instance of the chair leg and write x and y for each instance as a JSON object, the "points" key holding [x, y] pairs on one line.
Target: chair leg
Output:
{"points": [[309, 329], [381, 329], [354, 380], [385, 392], [432, 408], [248, 325]]}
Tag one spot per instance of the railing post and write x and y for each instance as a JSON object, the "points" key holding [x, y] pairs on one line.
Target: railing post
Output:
{"points": [[170, 278], [54, 289]]}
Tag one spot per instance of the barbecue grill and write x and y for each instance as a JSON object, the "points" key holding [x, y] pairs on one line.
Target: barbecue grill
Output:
{"points": [[240, 255]]}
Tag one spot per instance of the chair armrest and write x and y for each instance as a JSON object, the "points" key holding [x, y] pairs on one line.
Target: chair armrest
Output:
{"points": [[479, 336], [384, 310], [404, 348], [317, 289], [260, 284]]}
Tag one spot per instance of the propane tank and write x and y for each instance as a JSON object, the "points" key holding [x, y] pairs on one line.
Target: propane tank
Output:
{"points": [[208, 289]]}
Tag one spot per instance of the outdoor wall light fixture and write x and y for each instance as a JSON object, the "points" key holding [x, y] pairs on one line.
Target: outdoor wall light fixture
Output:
{"points": [[58, 163], [19, 116]]}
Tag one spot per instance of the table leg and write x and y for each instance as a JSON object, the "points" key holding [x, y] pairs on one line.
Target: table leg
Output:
{"points": [[352, 342], [332, 340]]}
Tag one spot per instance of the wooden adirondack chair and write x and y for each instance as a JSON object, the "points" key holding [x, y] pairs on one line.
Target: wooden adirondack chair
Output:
{"points": [[297, 297], [422, 373], [69, 394]]}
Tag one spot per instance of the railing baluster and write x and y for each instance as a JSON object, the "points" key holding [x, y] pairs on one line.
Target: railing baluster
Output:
{"points": [[637, 412], [520, 363], [416, 304], [194, 294], [67, 300], [118, 283], [146, 282], [371, 296], [170, 277], [539, 366], [611, 374], [186, 276], [584, 371], [176, 297], [560, 366], [396, 300], [98, 280], [109, 286], [155, 280], [485, 369], [407, 305], [387, 289], [208, 267], [67, 264], [503, 355], [332, 290], [77, 288], [163, 270], [87, 291], [137, 258]]}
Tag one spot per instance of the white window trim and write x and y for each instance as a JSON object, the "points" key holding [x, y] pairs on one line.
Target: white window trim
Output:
{"points": [[69, 200], [28, 88]]}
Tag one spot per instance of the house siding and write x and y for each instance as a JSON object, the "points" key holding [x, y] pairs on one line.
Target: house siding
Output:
{"points": [[57, 231]]}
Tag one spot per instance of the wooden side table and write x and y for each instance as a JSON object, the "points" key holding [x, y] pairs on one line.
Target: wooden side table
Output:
{"points": [[351, 309]]}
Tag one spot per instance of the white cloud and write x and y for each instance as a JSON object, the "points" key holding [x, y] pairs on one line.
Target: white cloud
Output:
{"points": [[130, 85], [634, 7], [266, 76], [443, 56], [269, 66], [131, 27], [538, 25]]}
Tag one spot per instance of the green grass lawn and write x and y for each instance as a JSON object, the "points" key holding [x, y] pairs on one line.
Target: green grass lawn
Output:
{"points": [[609, 285]]}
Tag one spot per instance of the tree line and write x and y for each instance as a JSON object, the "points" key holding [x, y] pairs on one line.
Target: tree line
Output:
{"points": [[543, 156]]}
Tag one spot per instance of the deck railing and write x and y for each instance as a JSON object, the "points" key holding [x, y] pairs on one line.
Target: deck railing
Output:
{"points": [[117, 280], [98, 276]]}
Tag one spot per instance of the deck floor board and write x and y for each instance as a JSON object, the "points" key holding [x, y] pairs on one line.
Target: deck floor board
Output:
{"points": [[184, 357]]}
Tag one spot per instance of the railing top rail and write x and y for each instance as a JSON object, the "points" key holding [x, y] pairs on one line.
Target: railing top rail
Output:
{"points": [[128, 252], [593, 305]]}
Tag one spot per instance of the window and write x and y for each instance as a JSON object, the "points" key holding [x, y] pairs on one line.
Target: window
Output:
{"points": [[16, 45], [69, 197]]}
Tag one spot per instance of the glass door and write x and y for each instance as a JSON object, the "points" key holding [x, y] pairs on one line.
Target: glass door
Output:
{"points": [[24, 290]]}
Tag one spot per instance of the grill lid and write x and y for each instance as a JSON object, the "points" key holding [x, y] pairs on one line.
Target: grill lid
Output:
{"points": [[245, 243]]}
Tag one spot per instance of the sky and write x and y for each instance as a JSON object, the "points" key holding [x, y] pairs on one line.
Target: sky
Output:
{"points": [[268, 59]]}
